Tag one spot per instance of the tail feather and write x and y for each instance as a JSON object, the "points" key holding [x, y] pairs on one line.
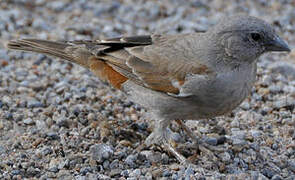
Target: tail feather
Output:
{"points": [[79, 52], [41, 46], [62, 50]]}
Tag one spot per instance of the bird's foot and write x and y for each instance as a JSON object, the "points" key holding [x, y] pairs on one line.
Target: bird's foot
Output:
{"points": [[198, 143], [163, 138]]}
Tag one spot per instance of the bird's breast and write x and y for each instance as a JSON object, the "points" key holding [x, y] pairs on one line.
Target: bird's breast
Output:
{"points": [[225, 91]]}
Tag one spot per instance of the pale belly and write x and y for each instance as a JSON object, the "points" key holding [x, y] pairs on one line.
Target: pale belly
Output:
{"points": [[209, 98]]}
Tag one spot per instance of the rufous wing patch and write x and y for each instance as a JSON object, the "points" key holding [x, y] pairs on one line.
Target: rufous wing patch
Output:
{"points": [[106, 73]]}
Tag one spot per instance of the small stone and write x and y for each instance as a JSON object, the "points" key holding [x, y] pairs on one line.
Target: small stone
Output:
{"points": [[225, 157], [86, 170], [62, 122], [291, 165], [275, 89], [275, 146], [131, 161], [52, 136], [53, 165], [101, 152], [166, 173], [7, 100], [38, 23], [235, 123], [238, 134], [116, 172], [28, 121], [8, 116], [245, 105], [153, 157], [2, 150], [106, 164], [132, 178], [268, 172], [101, 177], [285, 102], [165, 158], [135, 173], [125, 173], [284, 68], [57, 5], [189, 172], [239, 142], [292, 177], [148, 176], [174, 177], [91, 117], [255, 133], [53, 169], [25, 165], [221, 140], [277, 177], [31, 171], [46, 151], [15, 172], [212, 141], [34, 104]]}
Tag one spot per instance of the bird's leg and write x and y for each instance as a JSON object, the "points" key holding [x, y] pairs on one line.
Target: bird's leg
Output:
{"points": [[202, 146], [161, 135]]}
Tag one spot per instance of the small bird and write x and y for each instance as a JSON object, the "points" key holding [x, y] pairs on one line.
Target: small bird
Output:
{"points": [[175, 77]]}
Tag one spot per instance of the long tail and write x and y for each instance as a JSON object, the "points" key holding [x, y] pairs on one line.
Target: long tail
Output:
{"points": [[67, 51]]}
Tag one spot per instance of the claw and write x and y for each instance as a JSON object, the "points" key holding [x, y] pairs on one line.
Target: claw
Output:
{"points": [[202, 146], [163, 137], [178, 156]]}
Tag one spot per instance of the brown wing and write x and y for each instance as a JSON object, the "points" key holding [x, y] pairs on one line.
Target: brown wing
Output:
{"points": [[158, 62]]}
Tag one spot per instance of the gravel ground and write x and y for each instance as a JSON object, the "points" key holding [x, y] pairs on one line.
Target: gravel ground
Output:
{"points": [[58, 121]]}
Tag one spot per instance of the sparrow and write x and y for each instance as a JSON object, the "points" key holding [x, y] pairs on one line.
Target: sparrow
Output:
{"points": [[175, 77]]}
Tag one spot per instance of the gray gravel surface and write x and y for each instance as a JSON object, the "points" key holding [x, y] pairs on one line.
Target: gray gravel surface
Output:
{"points": [[58, 121]]}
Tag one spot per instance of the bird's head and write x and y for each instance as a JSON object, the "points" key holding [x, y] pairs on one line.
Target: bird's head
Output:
{"points": [[245, 38]]}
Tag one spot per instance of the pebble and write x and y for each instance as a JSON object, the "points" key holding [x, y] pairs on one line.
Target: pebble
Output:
{"points": [[291, 165], [164, 158], [125, 173], [15, 172], [268, 172], [115, 172], [174, 177], [154, 157], [7, 100], [131, 161], [101, 152], [284, 68], [46, 151], [211, 141], [256, 133], [34, 104], [277, 177], [189, 172], [135, 173], [225, 157], [2, 150], [284, 103], [28, 121]]}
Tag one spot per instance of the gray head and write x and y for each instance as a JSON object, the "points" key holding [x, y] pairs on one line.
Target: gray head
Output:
{"points": [[245, 38]]}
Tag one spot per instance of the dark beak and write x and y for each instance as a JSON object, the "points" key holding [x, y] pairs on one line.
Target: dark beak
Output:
{"points": [[277, 44]]}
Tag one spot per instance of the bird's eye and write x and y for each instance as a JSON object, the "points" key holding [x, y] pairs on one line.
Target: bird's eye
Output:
{"points": [[255, 36]]}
